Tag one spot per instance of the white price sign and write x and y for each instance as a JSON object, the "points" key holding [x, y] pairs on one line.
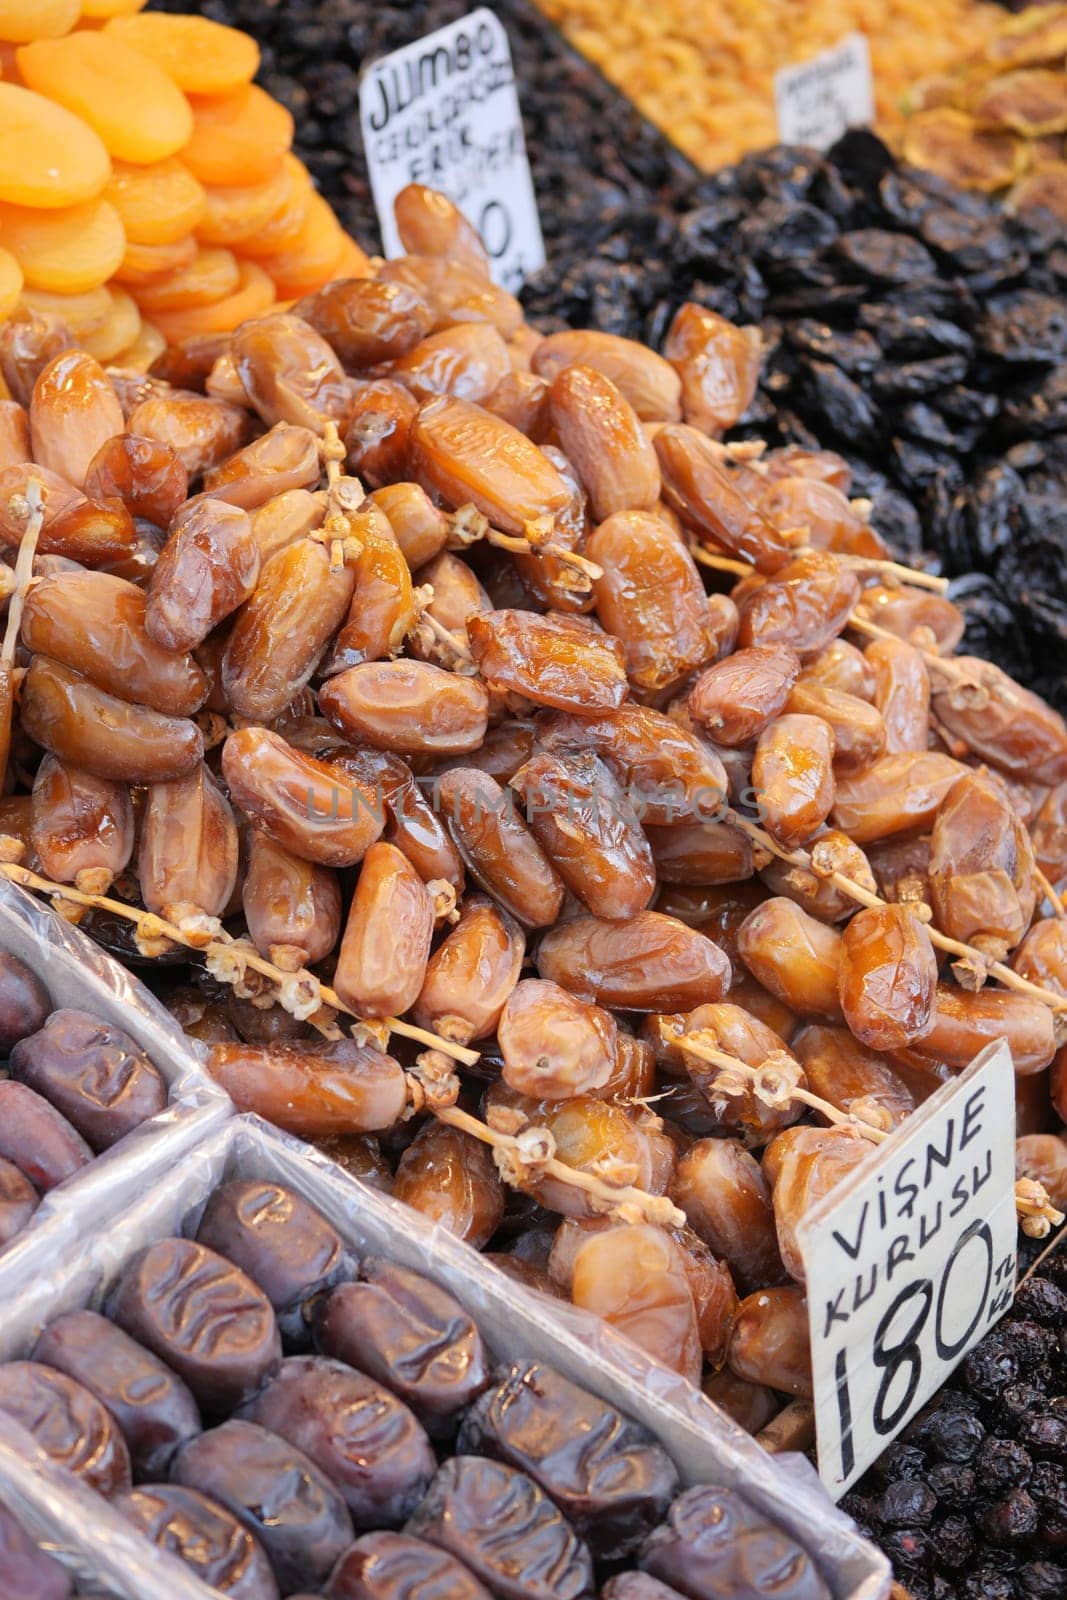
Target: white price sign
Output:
{"points": [[443, 111], [908, 1262], [818, 99]]}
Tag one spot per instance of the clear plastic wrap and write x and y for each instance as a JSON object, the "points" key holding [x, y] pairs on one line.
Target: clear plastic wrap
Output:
{"points": [[164, 1197], [78, 973]]}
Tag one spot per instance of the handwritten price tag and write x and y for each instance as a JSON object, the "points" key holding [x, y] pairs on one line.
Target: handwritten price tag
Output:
{"points": [[443, 111], [816, 101], [908, 1262]]}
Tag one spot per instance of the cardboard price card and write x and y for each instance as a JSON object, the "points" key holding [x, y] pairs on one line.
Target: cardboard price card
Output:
{"points": [[908, 1262], [818, 99], [443, 111]]}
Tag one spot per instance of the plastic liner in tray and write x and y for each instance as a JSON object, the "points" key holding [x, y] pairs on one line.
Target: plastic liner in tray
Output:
{"points": [[77, 973], [160, 1198]]}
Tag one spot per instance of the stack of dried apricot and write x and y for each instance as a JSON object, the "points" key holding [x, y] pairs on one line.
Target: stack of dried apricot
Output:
{"points": [[147, 187], [1000, 122]]}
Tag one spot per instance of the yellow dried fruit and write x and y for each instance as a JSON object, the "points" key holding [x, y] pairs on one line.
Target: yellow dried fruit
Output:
{"points": [[948, 142]]}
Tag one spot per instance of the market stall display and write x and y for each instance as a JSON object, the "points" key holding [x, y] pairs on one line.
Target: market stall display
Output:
{"points": [[148, 190]]}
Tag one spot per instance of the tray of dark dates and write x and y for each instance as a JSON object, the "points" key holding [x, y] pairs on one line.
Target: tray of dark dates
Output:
{"points": [[255, 1376], [91, 1065]]}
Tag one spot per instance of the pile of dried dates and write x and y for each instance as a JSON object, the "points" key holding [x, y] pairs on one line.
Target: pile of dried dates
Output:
{"points": [[907, 323], [390, 1463], [576, 823]]}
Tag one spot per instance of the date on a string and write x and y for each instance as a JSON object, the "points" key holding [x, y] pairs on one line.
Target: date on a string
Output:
{"points": [[908, 1262]]}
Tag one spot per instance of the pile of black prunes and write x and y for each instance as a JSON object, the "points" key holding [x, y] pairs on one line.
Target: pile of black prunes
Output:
{"points": [[592, 154], [970, 1503], [911, 325]]}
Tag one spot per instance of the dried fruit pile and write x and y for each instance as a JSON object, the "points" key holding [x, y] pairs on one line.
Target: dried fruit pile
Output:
{"points": [[971, 1502], [592, 154], [999, 122], [707, 79], [147, 187], [909, 325], [650, 873], [391, 1462]]}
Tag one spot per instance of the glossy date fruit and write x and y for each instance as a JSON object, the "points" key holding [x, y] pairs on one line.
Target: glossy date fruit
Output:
{"points": [[291, 1508], [24, 1001], [397, 1566], [887, 977], [411, 1336], [203, 1317], [315, 1087], [635, 1278], [93, 1073], [450, 1177], [281, 1242], [646, 961], [153, 1407], [714, 1546], [471, 973], [37, 1139], [82, 827], [554, 1045], [506, 1530], [360, 1436], [386, 944], [68, 1422], [203, 1534], [607, 1475]]}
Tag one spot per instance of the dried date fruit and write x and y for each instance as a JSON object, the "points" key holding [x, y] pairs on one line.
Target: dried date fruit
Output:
{"points": [[471, 973], [292, 1509], [804, 1164], [378, 436], [289, 372], [544, 660], [506, 1530], [187, 861], [411, 707], [207, 568], [720, 1188], [769, 1344], [887, 977], [700, 853], [201, 431], [280, 1241], [670, 774], [793, 955], [901, 693], [805, 605], [73, 411], [1003, 723], [366, 321], [792, 774], [292, 906], [858, 731], [698, 486], [204, 1535], [468, 361], [81, 827], [35, 1138], [410, 1335], [282, 460], [451, 1178], [382, 611], [69, 1424], [896, 794], [18, 1201], [635, 1278], [386, 944], [718, 364], [600, 434], [86, 727], [152, 1406], [466, 456], [981, 867], [147, 476], [841, 1070], [606, 1474], [966, 1022], [202, 1316], [430, 225], [646, 961], [28, 1571], [316, 811], [498, 849], [651, 598], [740, 696], [313, 1087], [93, 1073], [359, 1435], [554, 1046], [714, 1546], [24, 1001]]}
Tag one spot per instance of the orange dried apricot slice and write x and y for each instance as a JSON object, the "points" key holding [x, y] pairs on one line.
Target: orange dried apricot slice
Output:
{"points": [[148, 346], [10, 282], [82, 313], [158, 203], [237, 138], [135, 108], [210, 276], [254, 295], [147, 263], [948, 143], [200, 56], [235, 213], [282, 228], [23, 20], [119, 328], [65, 251], [48, 156], [311, 259], [98, 10]]}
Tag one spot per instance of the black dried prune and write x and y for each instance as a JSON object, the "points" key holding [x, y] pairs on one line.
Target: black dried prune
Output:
{"points": [[24, 1001], [68, 1422], [395, 1566], [607, 1474], [36, 1139], [203, 1317], [27, 1573], [150, 1403], [506, 1530], [412, 1336], [885, 257], [1025, 327], [364, 1439], [291, 1508], [713, 1546], [204, 1535], [93, 1072], [281, 1242]]}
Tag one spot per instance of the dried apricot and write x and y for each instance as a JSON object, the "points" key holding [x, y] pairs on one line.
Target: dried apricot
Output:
{"points": [[159, 203], [119, 329], [10, 282], [200, 56], [210, 276], [283, 226], [48, 156], [81, 313], [233, 214], [311, 260], [23, 20], [134, 107], [147, 263], [237, 138], [65, 250], [254, 295]]}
